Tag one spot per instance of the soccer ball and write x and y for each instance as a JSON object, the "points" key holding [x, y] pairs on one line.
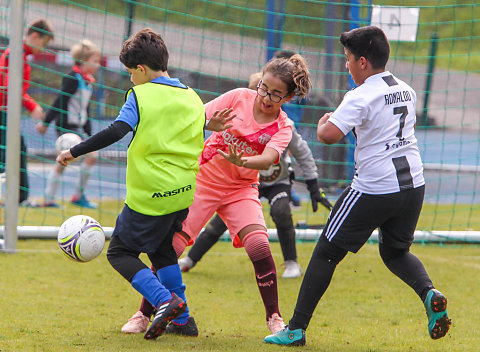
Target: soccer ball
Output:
{"points": [[81, 238], [66, 141]]}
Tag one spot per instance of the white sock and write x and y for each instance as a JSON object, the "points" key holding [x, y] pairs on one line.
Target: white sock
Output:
{"points": [[85, 172], [53, 183]]}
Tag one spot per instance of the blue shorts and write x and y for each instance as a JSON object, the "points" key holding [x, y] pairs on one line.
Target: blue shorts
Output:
{"points": [[145, 233]]}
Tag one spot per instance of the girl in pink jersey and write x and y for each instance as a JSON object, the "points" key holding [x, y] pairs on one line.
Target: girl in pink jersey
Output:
{"points": [[227, 182]]}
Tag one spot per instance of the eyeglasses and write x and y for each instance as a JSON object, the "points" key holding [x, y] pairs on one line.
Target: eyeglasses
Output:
{"points": [[273, 97]]}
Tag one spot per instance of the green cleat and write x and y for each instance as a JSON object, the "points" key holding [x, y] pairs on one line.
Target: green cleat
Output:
{"points": [[287, 337], [436, 307]]}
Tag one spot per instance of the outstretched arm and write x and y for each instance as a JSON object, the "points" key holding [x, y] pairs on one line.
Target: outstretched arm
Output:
{"points": [[113, 133]]}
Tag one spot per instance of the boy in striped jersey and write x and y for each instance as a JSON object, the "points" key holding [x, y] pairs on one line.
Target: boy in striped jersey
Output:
{"points": [[387, 189]]}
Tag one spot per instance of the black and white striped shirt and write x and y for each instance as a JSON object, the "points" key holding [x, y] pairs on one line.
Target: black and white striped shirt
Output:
{"points": [[381, 113]]}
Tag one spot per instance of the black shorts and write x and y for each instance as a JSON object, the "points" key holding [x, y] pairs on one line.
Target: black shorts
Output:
{"points": [[275, 192], [356, 215], [145, 233]]}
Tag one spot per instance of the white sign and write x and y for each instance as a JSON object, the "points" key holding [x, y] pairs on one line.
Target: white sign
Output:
{"points": [[398, 23]]}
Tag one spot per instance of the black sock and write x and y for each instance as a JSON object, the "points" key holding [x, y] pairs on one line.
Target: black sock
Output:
{"points": [[424, 293], [317, 278]]}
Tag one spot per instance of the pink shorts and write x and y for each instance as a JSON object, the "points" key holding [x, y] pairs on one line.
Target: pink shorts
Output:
{"points": [[238, 207]]}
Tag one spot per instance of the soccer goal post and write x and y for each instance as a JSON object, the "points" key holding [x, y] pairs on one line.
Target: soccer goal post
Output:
{"points": [[14, 112]]}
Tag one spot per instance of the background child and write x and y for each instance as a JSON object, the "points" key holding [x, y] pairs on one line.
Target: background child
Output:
{"points": [[387, 189], [39, 35], [70, 112]]}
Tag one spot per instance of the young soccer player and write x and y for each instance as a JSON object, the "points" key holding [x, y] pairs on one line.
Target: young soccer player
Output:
{"points": [[276, 186], [387, 189], [229, 174], [167, 118], [70, 112], [38, 36]]}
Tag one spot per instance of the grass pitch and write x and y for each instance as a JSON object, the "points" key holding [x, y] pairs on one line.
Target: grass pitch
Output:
{"points": [[50, 303]]}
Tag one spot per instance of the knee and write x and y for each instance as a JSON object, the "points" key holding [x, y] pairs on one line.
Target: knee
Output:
{"points": [[91, 159], [114, 252], [388, 253], [256, 245], [329, 251], [112, 257], [280, 210]]}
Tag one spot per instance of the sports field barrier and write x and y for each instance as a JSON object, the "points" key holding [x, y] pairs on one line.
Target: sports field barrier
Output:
{"points": [[215, 46], [304, 235]]}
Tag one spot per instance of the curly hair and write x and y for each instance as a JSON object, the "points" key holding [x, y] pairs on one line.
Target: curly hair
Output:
{"points": [[293, 71]]}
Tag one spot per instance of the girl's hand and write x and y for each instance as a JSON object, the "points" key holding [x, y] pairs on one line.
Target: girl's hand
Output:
{"points": [[219, 121], [64, 157], [232, 156]]}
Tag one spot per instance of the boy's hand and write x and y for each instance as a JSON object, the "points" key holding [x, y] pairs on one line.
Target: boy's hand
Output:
{"points": [[219, 121], [64, 157], [41, 127], [232, 156], [37, 113]]}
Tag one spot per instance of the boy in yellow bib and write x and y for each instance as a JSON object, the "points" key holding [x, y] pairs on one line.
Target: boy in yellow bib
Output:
{"points": [[167, 119]]}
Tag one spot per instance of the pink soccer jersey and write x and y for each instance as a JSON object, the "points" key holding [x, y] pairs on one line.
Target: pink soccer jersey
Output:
{"points": [[246, 134]]}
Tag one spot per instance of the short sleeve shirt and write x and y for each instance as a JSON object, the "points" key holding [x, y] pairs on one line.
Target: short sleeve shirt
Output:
{"points": [[381, 113], [246, 134]]}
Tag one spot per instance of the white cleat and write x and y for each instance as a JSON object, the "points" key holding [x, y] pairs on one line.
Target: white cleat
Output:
{"points": [[292, 269], [275, 323], [137, 324], [186, 264]]}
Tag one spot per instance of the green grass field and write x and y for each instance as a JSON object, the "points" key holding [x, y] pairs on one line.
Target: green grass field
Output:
{"points": [[50, 303]]}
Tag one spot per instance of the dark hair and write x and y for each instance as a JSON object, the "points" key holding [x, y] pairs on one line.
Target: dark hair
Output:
{"points": [[293, 72], [42, 27], [369, 42], [284, 54], [145, 48]]}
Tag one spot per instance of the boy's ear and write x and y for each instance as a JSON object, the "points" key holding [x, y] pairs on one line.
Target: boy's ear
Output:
{"points": [[363, 61]]}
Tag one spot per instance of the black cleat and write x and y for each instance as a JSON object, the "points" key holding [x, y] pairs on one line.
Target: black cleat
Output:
{"points": [[165, 313], [187, 329]]}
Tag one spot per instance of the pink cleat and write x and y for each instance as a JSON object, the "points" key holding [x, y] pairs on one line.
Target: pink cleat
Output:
{"points": [[275, 323], [136, 324]]}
